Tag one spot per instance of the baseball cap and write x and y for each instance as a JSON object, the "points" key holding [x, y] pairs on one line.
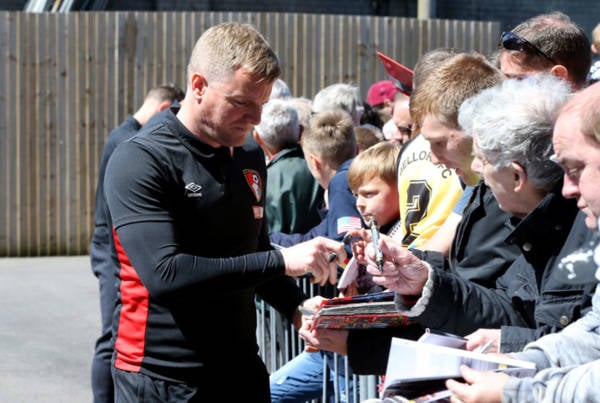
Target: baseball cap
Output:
{"points": [[583, 265], [380, 92]]}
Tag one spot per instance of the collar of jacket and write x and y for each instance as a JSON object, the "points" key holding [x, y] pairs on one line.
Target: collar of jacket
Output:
{"points": [[293, 151], [544, 230]]}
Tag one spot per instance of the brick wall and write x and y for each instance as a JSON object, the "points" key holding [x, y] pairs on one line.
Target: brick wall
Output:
{"points": [[586, 13], [12, 5], [508, 12]]}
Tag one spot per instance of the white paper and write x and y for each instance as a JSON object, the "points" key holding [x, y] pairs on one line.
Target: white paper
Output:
{"points": [[410, 360]]}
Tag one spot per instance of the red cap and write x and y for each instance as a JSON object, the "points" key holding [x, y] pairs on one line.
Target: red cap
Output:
{"points": [[380, 92]]}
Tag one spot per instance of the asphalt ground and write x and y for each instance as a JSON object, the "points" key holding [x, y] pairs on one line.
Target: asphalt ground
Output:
{"points": [[49, 321]]}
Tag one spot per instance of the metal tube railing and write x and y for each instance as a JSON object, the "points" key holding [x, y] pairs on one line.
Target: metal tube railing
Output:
{"points": [[279, 342]]}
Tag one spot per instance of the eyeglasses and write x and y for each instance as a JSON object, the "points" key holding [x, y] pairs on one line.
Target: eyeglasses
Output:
{"points": [[511, 41], [405, 130]]}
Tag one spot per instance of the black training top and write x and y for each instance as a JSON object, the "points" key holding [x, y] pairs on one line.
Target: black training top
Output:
{"points": [[188, 221], [126, 130]]}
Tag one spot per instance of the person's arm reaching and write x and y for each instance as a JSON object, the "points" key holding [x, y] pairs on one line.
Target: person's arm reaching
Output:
{"points": [[438, 299]]}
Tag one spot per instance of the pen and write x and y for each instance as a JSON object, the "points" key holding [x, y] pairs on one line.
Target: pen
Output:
{"points": [[485, 346], [332, 257], [345, 241], [378, 253], [347, 238]]}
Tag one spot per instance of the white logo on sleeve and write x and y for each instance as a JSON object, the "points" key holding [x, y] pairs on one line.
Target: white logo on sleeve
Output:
{"points": [[193, 190]]}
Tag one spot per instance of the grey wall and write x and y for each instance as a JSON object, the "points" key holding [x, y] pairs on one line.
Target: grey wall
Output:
{"points": [[12, 4], [508, 12]]}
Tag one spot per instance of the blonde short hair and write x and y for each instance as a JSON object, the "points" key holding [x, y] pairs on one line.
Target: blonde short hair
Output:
{"points": [[379, 160], [445, 89], [330, 135], [224, 48]]}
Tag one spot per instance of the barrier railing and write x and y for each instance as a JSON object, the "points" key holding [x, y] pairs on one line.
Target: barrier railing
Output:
{"points": [[279, 342]]}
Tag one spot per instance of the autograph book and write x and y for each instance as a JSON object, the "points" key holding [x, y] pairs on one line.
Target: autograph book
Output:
{"points": [[359, 312], [418, 368]]}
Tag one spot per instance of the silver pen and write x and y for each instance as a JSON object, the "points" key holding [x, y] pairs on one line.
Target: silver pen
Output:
{"points": [[378, 252], [483, 348]]}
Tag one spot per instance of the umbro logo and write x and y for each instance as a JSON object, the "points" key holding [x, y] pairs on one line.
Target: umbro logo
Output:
{"points": [[193, 190]]}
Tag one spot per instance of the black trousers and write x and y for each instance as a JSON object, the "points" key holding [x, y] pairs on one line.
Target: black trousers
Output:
{"points": [[103, 268], [135, 387], [241, 381]]}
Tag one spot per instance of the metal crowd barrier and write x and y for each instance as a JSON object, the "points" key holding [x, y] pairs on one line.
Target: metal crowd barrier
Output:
{"points": [[279, 343]]}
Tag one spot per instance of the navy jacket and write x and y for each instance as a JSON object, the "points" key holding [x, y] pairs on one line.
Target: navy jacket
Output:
{"points": [[342, 206]]}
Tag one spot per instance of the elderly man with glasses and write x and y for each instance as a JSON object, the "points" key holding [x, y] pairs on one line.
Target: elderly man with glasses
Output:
{"points": [[568, 363]]}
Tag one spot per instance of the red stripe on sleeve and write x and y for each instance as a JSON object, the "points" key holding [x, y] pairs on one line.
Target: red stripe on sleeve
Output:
{"points": [[133, 317]]}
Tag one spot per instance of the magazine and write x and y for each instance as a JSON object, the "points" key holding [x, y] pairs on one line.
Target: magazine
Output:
{"points": [[418, 368], [359, 312]]}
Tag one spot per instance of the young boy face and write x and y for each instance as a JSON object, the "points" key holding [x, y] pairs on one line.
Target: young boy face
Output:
{"points": [[377, 200]]}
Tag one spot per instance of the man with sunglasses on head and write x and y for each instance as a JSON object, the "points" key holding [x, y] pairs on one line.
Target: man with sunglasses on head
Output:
{"points": [[546, 43]]}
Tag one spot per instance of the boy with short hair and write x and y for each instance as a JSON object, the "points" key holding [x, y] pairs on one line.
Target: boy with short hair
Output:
{"points": [[329, 145], [372, 179]]}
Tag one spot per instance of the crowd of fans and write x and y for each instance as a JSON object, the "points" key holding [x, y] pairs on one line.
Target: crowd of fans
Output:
{"points": [[484, 182]]}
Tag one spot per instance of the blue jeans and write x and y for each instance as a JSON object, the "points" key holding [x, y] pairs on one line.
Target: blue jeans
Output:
{"points": [[301, 379]]}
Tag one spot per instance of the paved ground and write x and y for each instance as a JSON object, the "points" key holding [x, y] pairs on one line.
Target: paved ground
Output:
{"points": [[49, 320]]}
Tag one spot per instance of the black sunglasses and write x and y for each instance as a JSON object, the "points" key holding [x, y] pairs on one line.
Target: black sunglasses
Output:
{"points": [[511, 41]]}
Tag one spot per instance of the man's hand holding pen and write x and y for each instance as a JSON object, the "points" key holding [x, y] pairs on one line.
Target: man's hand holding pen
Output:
{"points": [[392, 266], [319, 256], [345, 241]]}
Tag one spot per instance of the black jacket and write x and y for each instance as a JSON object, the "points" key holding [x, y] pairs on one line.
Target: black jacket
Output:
{"points": [[546, 304], [479, 253], [527, 301], [193, 252]]}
